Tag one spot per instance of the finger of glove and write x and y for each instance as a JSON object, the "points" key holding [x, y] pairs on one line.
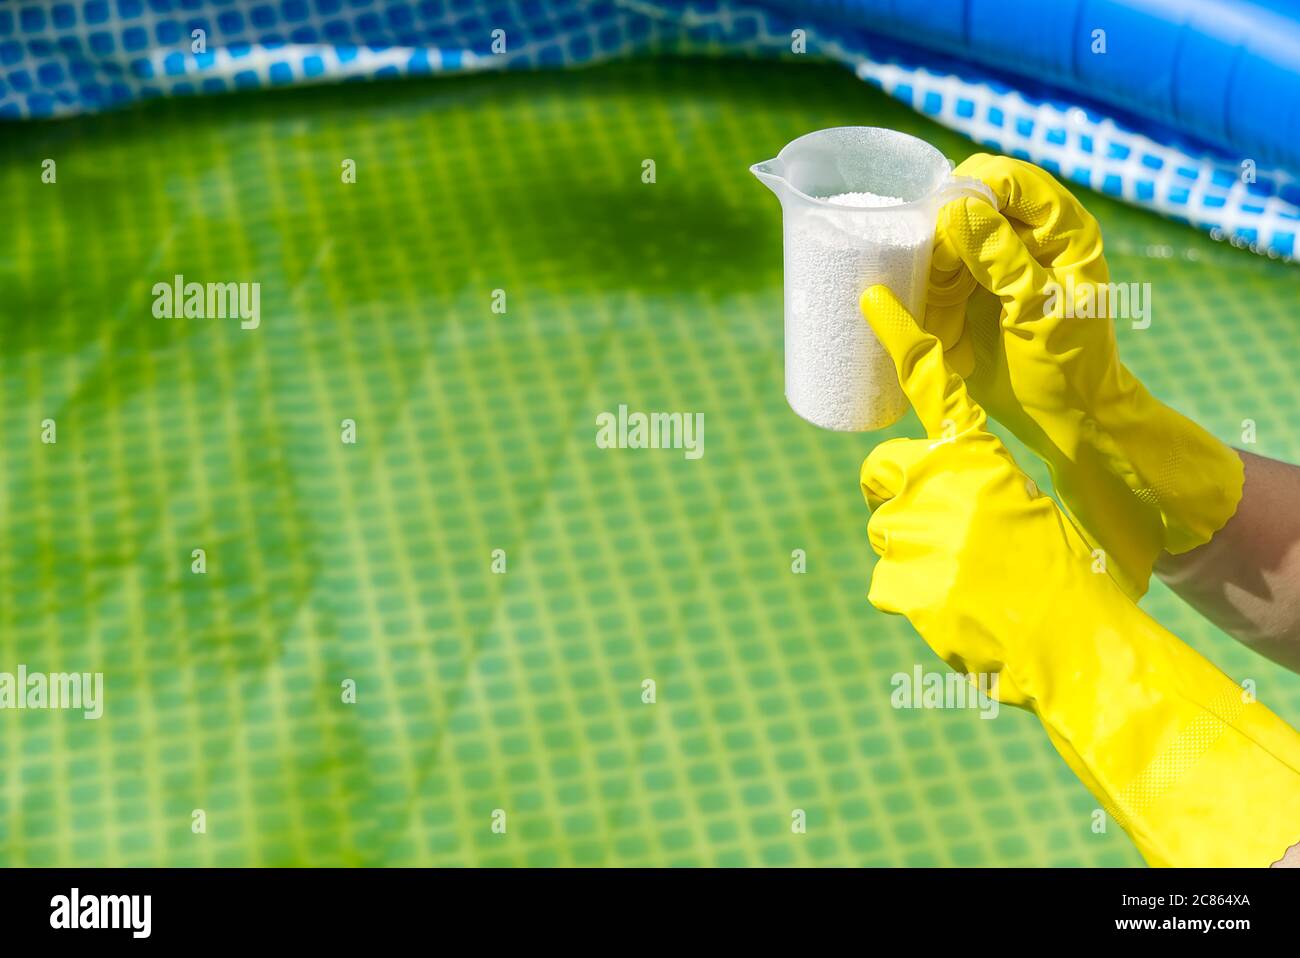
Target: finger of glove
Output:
{"points": [[936, 392], [885, 470], [1003, 688], [950, 325], [1060, 231], [993, 251], [945, 315], [888, 592]]}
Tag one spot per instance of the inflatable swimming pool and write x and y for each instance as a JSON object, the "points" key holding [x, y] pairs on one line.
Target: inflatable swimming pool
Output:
{"points": [[1188, 108]]}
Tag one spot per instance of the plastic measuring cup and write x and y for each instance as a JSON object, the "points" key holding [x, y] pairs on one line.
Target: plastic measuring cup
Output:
{"points": [[837, 375]]}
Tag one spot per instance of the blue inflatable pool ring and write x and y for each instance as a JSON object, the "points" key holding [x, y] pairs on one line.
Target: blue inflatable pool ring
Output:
{"points": [[1226, 71], [1190, 108]]}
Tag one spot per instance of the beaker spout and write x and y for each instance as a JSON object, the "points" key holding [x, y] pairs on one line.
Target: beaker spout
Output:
{"points": [[771, 173]]}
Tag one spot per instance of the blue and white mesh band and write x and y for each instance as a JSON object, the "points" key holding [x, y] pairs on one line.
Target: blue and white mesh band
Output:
{"points": [[64, 58]]}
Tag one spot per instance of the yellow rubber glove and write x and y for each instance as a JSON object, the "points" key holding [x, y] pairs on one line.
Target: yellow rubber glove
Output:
{"points": [[996, 579], [1137, 476]]}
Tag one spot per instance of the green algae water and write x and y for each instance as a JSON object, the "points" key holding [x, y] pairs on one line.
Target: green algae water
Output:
{"points": [[394, 638]]}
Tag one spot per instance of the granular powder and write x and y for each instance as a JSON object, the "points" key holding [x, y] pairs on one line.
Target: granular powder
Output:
{"points": [[863, 199], [837, 375]]}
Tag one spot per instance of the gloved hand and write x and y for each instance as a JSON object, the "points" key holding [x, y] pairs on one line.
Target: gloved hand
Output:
{"points": [[996, 579], [1138, 477]]}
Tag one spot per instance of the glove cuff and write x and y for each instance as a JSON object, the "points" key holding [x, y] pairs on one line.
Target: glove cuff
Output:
{"points": [[1180, 756], [1175, 467], [1207, 493]]}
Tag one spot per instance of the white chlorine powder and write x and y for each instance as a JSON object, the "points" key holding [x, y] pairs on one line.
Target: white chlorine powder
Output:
{"points": [[837, 375]]}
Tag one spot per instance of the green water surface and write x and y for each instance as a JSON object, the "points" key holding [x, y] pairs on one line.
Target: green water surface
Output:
{"points": [[372, 562]]}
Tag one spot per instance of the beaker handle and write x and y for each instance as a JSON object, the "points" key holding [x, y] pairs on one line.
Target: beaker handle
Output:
{"points": [[958, 186]]}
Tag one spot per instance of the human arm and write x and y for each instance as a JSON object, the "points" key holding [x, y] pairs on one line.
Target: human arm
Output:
{"points": [[1246, 579]]}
